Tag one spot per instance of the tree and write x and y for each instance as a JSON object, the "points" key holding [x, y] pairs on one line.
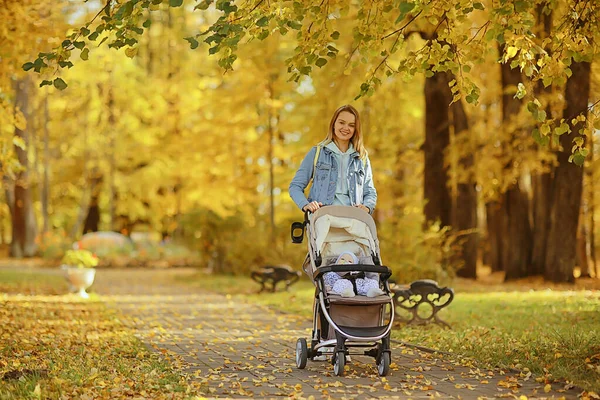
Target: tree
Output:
{"points": [[437, 138], [24, 226], [515, 204], [568, 181], [464, 218], [542, 179], [370, 39]]}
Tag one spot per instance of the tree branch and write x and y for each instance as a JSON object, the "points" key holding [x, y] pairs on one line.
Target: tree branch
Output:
{"points": [[403, 27]]}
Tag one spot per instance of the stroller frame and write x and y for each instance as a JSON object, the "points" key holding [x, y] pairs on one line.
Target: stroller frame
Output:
{"points": [[373, 340]]}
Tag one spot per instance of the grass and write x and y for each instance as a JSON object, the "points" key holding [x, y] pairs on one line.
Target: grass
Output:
{"points": [[55, 347], [28, 282], [555, 334]]}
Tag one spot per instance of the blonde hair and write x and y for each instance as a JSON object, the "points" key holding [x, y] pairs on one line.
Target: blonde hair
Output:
{"points": [[357, 139]]}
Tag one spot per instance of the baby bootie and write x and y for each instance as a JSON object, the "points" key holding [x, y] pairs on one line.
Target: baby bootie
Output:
{"points": [[368, 287], [374, 292]]}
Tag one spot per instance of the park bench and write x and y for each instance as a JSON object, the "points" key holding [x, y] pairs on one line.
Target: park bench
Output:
{"points": [[272, 275], [423, 299]]}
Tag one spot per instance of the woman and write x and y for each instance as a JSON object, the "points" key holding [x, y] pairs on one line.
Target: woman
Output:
{"points": [[339, 166]]}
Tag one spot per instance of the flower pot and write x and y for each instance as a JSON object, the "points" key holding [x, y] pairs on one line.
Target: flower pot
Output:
{"points": [[80, 278]]}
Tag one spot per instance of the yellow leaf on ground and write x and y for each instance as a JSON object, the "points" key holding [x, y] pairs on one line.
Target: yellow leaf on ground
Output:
{"points": [[547, 388], [37, 392]]}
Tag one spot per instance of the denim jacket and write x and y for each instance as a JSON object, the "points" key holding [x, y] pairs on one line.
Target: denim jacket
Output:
{"points": [[360, 180]]}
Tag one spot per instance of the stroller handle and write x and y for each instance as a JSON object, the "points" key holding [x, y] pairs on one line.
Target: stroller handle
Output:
{"points": [[380, 269]]}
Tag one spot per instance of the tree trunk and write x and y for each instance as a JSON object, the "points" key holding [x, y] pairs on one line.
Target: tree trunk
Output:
{"points": [[270, 155], [9, 195], [81, 215], [24, 227], [517, 255], [518, 249], [542, 182], [583, 230], [92, 220], [542, 204], [586, 222], [591, 219], [438, 202], [568, 183], [112, 162], [496, 228], [46, 180], [581, 247], [465, 212]]}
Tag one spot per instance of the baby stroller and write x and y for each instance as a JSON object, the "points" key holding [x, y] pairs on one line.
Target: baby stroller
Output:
{"points": [[344, 326]]}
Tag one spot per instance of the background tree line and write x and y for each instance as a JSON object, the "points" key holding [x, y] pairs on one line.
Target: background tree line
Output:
{"points": [[479, 120]]}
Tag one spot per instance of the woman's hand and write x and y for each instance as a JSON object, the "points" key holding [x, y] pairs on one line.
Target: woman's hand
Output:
{"points": [[363, 207], [312, 206]]}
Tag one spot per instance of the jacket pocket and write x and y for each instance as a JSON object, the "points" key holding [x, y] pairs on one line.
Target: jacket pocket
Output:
{"points": [[322, 172], [321, 182]]}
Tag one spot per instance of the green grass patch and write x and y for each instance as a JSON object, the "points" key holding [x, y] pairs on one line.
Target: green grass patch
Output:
{"points": [[554, 334], [29, 282], [54, 347]]}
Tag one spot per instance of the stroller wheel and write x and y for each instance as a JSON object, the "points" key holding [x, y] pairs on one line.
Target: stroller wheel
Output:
{"points": [[301, 353], [383, 366], [339, 363]]}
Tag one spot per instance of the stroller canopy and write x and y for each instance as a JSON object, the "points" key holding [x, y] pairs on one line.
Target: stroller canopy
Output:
{"points": [[335, 229]]}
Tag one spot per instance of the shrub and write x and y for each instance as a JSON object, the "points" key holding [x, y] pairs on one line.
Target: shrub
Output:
{"points": [[235, 244], [413, 253], [52, 245]]}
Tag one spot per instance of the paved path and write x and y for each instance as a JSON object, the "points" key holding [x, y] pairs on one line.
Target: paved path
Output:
{"points": [[241, 350]]}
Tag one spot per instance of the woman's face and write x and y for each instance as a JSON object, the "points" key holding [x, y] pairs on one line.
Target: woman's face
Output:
{"points": [[344, 126]]}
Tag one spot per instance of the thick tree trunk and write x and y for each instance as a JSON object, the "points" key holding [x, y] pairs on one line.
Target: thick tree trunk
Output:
{"points": [[496, 232], [517, 255], [24, 227], [437, 138], [542, 203], [568, 183], [542, 182], [465, 212]]}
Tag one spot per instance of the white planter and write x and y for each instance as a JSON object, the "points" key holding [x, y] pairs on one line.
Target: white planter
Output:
{"points": [[80, 278]]}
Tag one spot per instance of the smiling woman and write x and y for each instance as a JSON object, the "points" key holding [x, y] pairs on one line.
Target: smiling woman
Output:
{"points": [[339, 168]]}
